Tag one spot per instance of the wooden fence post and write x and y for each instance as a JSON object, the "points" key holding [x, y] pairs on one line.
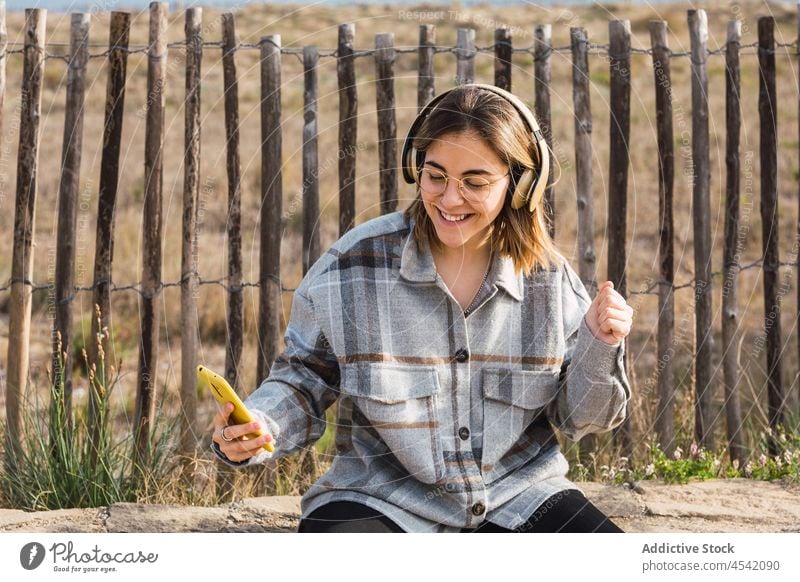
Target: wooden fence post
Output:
{"points": [[502, 57], [797, 175], [704, 376], [767, 113], [426, 74], [189, 251], [387, 124], [151, 230], [581, 99], [22, 258], [226, 476], [465, 56], [311, 227], [311, 216], [730, 263], [619, 53], [118, 38], [543, 49], [68, 217], [348, 126], [235, 315], [3, 56], [311, 213], [270, 304], [665, 350]]}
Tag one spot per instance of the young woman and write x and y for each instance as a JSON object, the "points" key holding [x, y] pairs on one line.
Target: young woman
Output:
{"points": [[454, 338]]}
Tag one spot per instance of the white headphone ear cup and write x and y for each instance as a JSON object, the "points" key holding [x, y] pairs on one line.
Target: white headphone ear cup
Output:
{"points": [[523, 189], [412, 163], [538, 188]]}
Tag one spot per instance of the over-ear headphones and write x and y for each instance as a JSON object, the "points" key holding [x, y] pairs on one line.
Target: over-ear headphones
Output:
{"points": [[530, 186]]}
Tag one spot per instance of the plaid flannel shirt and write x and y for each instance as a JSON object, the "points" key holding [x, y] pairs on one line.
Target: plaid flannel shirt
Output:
{"points": [[444, 420]]}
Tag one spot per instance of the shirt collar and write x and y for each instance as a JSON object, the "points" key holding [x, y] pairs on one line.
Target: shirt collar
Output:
{"points": [[416, 264]]}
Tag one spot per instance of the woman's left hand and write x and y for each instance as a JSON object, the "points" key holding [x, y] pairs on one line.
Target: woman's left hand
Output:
{"points": [[609, 317]]}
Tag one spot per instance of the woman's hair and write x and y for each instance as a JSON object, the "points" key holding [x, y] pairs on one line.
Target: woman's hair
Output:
{"points": [[520, 233]]}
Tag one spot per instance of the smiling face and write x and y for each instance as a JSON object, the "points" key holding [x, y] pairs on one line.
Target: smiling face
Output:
{"points": [[460, 155]]}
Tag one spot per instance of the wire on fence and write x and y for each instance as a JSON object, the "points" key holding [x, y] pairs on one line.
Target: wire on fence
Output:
{"points": [[650, 290], [136, 286], [594, 48]]}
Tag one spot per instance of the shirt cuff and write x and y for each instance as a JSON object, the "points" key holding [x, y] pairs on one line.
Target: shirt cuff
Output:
{"points": [[226, 460], [595, 355]]}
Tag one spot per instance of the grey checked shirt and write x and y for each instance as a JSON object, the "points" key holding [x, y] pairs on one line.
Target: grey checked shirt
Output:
{"points": [[443, 420]]}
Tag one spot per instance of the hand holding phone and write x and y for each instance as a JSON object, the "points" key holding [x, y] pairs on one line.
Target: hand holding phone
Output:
{"points": [[243, 436]]}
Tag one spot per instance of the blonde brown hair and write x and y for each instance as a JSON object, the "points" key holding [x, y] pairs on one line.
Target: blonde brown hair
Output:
{"points": [[519, 233]]}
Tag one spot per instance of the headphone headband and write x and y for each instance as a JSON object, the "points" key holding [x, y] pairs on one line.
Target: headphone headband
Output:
{"points": [[531, 185]]}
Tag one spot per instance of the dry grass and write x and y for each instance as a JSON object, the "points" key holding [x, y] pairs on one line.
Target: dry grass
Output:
{"points": [[318, 25]]}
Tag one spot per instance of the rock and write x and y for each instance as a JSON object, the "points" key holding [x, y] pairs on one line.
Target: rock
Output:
{"points": [[57, 521], [134, 517], [287, 504], [725, 505], [738, 505], [613, 501], [11, 517], [264, 514]]}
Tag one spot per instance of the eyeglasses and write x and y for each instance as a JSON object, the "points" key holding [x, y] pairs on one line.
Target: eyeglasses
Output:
{"points": [[472, 188]]}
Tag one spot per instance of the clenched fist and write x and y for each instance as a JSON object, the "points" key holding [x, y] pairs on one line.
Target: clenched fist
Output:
{"points": [[609, 317]]}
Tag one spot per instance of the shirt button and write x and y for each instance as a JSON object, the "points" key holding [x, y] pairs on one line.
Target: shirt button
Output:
{"points": [[463, 432], [462, 355], [478, 508]]}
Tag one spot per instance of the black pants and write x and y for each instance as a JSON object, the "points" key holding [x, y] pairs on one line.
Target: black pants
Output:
{"points": [[567, 512]]}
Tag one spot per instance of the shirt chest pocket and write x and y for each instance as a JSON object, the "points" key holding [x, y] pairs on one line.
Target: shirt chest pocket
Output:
{"points": [[512, 399], [399, 400]]}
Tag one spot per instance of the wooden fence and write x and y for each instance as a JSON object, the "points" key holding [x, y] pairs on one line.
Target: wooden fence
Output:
{"points": [[618, 53]]}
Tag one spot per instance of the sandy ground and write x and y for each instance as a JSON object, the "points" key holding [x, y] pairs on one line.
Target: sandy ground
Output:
{"points": [[731, 505]]}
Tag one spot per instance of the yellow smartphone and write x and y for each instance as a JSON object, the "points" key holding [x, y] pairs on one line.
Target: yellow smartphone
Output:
{"points": [[224, 393]]}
